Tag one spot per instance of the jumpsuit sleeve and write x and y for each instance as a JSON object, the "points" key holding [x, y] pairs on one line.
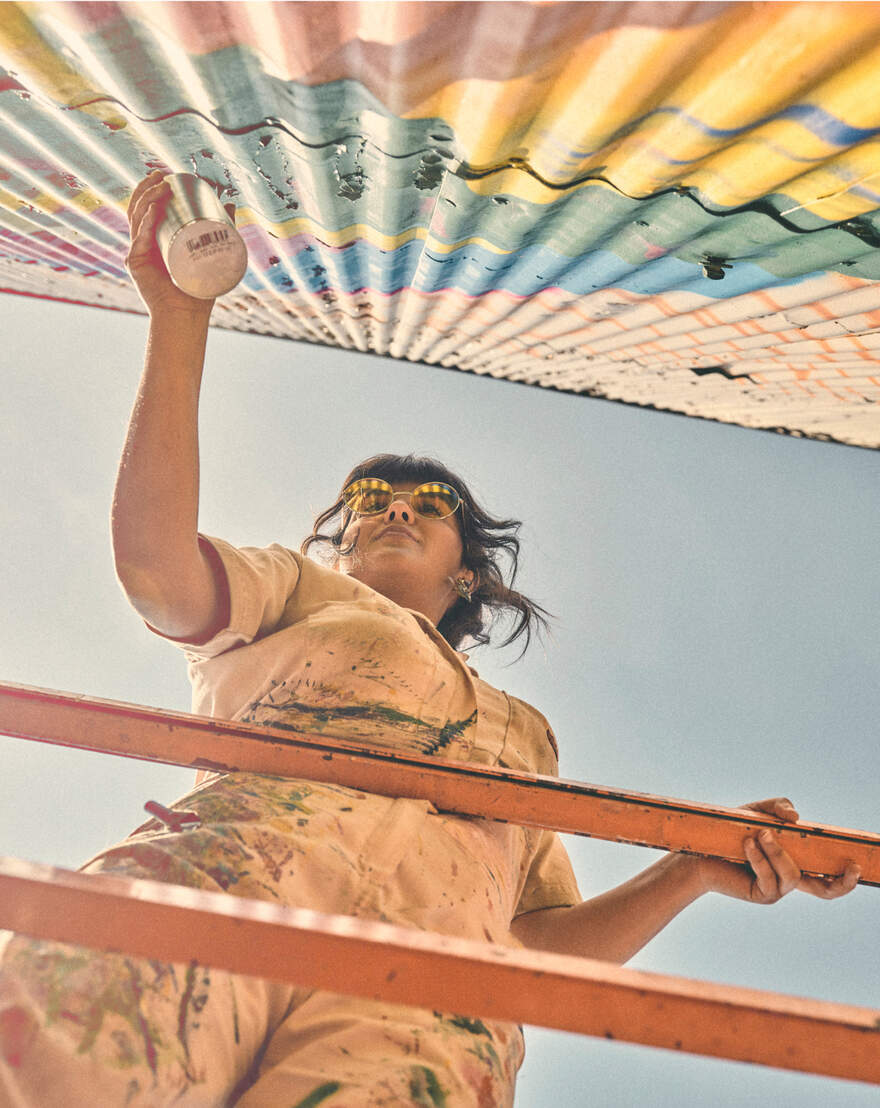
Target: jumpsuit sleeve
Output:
{"points": [[260, 582], [550, 882]]}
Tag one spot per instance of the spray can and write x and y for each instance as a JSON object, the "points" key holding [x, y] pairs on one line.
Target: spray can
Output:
{"points": [[205, 255]]}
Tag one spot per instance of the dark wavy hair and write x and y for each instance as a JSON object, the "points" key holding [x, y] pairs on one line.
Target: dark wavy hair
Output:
{"points": [[490, 551]]}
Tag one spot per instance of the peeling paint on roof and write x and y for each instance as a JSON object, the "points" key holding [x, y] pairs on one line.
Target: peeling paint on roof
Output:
{"points": [[672, 205]]}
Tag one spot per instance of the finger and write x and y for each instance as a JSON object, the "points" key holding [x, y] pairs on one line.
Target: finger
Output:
{"points": [[142, 186], [779, 806], [144, 249], [787, 871], [829, 888], [151, 209], [146, 193], [786, 810], [765, 886]]}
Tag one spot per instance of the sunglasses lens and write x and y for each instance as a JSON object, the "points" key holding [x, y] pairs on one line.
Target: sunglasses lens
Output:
{"points": [[371, 495], [435, 500], [368, 496]]}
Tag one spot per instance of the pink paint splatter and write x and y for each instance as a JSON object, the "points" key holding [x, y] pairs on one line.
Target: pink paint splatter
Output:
{"points": [[18, 1029]]}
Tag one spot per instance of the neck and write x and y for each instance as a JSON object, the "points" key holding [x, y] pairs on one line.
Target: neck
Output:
{"points": [[407, 593]]}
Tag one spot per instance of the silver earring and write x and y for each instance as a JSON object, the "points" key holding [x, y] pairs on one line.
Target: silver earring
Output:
{"points": [[464, 588]]}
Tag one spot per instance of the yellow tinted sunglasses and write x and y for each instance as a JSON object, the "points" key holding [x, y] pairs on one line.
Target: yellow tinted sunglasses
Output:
{"points": [[371, 495]]}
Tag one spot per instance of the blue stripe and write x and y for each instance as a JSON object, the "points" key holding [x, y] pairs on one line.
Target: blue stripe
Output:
{"points": [[819, 122], [473, 270]]}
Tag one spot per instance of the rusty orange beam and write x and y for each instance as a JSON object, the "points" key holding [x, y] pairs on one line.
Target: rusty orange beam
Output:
{"points": [[371, 959], [202, 742]]}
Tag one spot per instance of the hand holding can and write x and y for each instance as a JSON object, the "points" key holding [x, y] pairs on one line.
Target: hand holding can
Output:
{"points": [[145, 262], [204, 254]]}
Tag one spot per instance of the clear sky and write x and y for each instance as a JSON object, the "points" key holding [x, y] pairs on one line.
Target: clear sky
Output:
{"points": [[716, 593]]}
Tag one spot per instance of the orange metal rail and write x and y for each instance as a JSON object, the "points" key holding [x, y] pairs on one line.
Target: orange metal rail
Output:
{"points": [[203, 742], [370, 959], [376, 960]]}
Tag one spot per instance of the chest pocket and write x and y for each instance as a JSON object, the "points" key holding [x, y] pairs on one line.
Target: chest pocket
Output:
{"points": [[493, 722]]}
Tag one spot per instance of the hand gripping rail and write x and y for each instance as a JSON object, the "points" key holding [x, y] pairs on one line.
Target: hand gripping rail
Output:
{"points": [[372, 959]]}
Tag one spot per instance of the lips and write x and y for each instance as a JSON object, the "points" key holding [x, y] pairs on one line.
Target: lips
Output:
{"points": [[394, 530]]}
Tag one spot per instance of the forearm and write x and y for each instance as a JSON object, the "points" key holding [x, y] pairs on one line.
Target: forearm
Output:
{"points": [[617, 924], [155, 505]]}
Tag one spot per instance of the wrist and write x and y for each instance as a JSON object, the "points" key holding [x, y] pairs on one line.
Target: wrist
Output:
{"points": [[691, 873], [176, 346], [197, 315]]}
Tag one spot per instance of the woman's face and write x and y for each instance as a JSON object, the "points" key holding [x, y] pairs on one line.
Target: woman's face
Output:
{"points": [[406, 557]]}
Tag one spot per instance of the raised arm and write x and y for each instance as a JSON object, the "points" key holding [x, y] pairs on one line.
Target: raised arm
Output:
{"points": [[167, 577]]}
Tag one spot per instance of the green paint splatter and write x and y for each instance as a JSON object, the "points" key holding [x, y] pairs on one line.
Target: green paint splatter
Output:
{"points": [[294, 801], [183, 1009], [487, 1054], [428, 736], [87, 991], [425, 1089], [476, 1027], [235, 1014], [224, 875], [319, 1094]]}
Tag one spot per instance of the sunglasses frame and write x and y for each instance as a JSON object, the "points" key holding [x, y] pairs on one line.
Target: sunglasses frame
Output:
{"points": [[395, 494]]}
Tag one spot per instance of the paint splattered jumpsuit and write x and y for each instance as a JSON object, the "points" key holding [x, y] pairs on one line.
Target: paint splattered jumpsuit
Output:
{"points": [[318, 653]]}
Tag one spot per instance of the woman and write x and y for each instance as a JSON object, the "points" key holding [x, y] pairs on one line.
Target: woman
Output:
{"points": [[363, 648]]}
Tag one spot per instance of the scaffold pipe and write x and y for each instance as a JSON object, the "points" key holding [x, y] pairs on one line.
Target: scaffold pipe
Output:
{"points": [[377, 960], [202, 742]]}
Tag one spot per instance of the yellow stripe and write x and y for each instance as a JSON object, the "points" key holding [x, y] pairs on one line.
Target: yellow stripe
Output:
{"points": [[245, 217], [741, 66], [27, 53]]}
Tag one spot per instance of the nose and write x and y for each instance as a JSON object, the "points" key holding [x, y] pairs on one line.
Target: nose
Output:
{"points": [[399, 511]]}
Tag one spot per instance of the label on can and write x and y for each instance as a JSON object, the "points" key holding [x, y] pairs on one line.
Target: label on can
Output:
{"points": [[206, 259]]}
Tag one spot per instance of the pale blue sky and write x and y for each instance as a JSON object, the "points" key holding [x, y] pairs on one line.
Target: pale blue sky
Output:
{"points": [[716, 592]]}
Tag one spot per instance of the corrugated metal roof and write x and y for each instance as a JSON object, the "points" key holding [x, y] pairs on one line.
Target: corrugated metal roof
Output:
{"points": [[674, 205]]}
